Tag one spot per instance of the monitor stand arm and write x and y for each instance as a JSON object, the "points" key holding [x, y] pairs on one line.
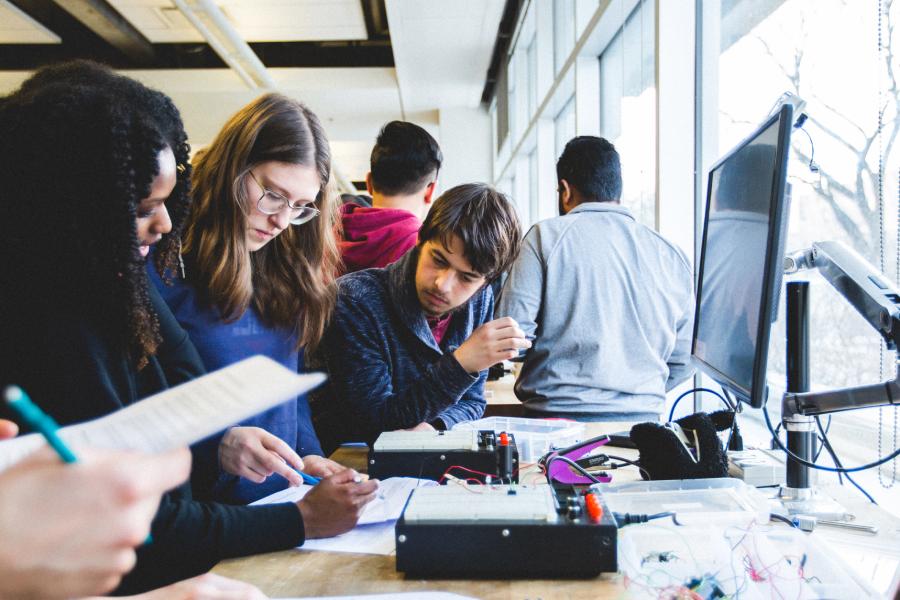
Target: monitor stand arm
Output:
{"points": [[832, 401], [877, 300]]}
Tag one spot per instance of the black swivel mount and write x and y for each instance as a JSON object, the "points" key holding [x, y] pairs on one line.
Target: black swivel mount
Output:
{"points": [[878, 301]]}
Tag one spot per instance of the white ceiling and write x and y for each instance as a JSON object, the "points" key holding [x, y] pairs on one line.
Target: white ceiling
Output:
{"points": [[442, 49], [255, 20]]}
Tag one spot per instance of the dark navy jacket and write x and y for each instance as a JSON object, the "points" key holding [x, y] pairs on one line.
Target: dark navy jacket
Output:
{"points": [[386, 372], [75, 372], [220, 344]]}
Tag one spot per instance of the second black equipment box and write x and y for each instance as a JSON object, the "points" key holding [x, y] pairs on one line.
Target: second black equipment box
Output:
{"points": [[466, 454]]}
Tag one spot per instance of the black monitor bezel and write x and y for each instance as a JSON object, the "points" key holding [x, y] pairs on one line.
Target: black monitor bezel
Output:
{"points": [[773, 268]]}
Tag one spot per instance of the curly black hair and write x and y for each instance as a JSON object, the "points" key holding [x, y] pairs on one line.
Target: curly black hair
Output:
{"points": [[79, 152]]}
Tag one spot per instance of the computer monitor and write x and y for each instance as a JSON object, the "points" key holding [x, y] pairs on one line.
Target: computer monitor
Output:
{"points": [[741, 260]]}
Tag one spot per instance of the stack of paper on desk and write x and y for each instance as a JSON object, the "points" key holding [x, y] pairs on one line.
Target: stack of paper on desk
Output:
{"points": [[374, 533], [182, 415]]}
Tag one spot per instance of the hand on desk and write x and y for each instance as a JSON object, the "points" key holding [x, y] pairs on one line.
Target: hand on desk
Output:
{"points": [[421, 427], [71, 529], [255, 454], [334, 505], [493, 342], [205, 587], [319, 466]]}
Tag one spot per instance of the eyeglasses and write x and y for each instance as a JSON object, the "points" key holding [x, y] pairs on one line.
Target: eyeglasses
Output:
{"points": [[272, 203]]}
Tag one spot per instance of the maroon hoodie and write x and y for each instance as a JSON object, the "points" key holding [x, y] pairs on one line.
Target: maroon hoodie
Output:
{"points": [[376, 237]]}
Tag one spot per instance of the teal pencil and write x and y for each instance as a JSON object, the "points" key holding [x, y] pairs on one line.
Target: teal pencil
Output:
{"points": [[307, 479], [39, 421]]}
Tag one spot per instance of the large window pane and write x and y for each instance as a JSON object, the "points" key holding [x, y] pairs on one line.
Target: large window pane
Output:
{"points": [[564, 127], [563, 32], [825, 51], [513, 117], [628, 108], [531, 57]]}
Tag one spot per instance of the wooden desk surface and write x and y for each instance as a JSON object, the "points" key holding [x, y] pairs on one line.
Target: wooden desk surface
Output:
{"points": [[306, 573]]}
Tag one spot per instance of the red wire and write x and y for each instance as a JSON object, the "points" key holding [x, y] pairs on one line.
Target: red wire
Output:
{"points": [[469, 470]]}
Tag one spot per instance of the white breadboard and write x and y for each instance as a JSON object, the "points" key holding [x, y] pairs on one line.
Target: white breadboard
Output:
{"points": [[468, 503], [393, 441]]}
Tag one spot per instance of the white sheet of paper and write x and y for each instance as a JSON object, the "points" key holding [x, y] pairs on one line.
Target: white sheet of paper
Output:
{"points": [[392, 495], [374, 533], [376, 538], [181, 415]]}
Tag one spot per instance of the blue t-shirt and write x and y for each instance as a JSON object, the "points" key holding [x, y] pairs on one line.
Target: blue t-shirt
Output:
{"points": [[220, 344]]}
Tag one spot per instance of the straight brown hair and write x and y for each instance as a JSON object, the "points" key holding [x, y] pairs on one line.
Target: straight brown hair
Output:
{"points": [[290, 280]]}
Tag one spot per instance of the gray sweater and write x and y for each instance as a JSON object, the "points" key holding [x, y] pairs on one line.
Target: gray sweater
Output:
{"points": [[612, 305]]}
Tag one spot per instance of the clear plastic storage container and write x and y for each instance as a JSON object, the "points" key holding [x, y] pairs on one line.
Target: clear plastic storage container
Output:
{"points": [[534, 437], [724, 500]]}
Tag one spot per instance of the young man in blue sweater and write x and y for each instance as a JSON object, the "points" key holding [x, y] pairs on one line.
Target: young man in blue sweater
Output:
{"points": [[409, 345]]}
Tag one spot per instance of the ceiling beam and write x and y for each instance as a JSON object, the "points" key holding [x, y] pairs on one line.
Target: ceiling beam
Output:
{"points": [[77, 40], [501, 46], [375, 15], [104, 20], [28, 57]]}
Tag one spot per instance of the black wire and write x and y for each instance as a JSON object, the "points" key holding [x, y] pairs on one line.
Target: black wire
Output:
{"points": [[827, 429], [812, 149], [572, 464], [782, 447], [782, 519], [827, 445], [821, 439], [663, 515], [733, 420], [821, 446], [701, 389], [623, 519], [732, 403], [627, 462]]}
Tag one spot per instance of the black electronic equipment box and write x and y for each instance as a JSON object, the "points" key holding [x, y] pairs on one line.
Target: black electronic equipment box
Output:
{"points": [[467, 454], [504, 531]]}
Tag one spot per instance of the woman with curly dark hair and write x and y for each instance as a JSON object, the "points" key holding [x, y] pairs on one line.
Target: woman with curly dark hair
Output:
{"points": [[93, 171], [260, 255]]}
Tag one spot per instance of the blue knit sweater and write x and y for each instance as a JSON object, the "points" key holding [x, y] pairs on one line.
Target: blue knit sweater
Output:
{"points": [[220, 344], [385, 369]]}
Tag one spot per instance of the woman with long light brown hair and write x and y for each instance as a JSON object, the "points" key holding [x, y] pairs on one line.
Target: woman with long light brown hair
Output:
{"points": [[259, 257]]}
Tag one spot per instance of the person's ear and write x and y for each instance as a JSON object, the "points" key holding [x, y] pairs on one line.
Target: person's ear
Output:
{"points": [[369, 183], [565, 194], [429, 191]]}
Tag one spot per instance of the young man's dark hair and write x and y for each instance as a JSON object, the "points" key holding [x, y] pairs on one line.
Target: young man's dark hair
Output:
{"points": [[483, 219], [591, 165], [405, 159]]}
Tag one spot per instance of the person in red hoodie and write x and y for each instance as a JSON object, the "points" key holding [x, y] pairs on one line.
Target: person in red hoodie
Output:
{"points": [[404, 168]]}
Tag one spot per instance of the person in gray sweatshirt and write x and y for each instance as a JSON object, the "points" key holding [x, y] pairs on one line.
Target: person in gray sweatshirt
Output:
{"points": [[609, 301]]}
